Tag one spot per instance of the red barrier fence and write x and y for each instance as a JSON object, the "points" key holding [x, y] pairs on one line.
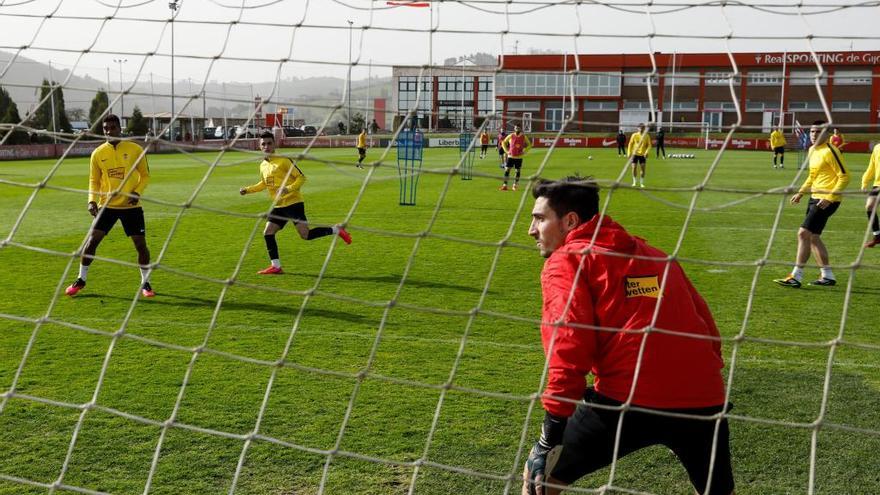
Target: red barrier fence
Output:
{"points": [[85, 148]]}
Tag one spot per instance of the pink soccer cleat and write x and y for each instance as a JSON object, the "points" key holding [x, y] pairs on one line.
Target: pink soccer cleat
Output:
{"points": [[75, 287], [147, 290], [271, 271], [346, 237]]}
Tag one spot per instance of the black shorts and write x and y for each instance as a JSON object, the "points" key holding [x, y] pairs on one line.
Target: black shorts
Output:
{"points": [[639, 159], [132, 220], [484, 148], [817, 218], [874, 192], [500, 151], [362, 151], [295, 213], [514, 163], [588, 442], [779, 150]]}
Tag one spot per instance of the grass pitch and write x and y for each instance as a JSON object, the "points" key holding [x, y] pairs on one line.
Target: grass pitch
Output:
{"points": [[378, 368]]}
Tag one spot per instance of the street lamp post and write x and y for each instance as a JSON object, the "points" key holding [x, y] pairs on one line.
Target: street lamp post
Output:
{"points": [[173, 6], [350, 23], [121, 61]]}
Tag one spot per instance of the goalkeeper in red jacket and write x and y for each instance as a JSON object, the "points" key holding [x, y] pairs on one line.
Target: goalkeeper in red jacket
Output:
{"points": [[656, 361]]}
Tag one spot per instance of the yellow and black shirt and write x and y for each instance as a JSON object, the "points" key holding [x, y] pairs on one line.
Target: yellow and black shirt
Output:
{"points": [[122, 169], [777, 140], [639, 144], [278, 171], [871, 178], [828, 176]]}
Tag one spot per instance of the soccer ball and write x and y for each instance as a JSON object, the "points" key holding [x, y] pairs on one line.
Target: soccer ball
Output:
{"points": [[590, 157]]}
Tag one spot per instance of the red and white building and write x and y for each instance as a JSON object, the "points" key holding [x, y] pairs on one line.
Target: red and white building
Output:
{"points": [[696, 90]]}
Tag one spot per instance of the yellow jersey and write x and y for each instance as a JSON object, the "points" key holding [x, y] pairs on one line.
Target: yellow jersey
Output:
{"points": [[871, 178], [278, 171], [777, 139], [117, 170], [639, 144], [362, 140], [828, 176]]}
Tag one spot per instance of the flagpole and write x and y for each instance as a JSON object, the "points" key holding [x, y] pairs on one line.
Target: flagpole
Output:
{"points": [[672, 97], [431, 63], [782, 93]]}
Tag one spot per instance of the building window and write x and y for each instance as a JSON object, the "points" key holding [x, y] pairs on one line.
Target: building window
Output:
{"points": [[407, 91], [524, 106], [765, 78], [683, 79], [638, 105], [557, 84], [805, 105], [681, 105], [852, 78], [485, 95], [452, 90], [600, 106], [851, 106], [720, 78], [638, 79], [724, 106], [760, 106], [806, 78]]}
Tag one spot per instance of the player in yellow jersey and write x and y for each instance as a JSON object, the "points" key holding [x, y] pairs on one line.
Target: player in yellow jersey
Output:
{"points": [[362, 147], [283, 181], [639, 146], [826, 181], [118, 175], [871, 185], [777, 144]]}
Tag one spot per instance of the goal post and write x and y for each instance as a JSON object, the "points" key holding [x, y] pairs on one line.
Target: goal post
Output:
{"points": [[399, 350]]}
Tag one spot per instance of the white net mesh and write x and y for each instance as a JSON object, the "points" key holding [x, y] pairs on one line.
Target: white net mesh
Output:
{"points": [[412, 365]]}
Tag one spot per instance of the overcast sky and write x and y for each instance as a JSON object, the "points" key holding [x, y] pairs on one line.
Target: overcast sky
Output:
{"points": [[250, 37]]}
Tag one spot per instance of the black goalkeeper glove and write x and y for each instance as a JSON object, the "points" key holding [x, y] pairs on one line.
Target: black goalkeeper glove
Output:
{"points": [[548, 445]]}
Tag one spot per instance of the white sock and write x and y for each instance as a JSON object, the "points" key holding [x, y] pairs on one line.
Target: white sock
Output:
{"points": [[797, 273], [144, 275], [826, 273], [335, 229], [83, 271], [642, 181], [276, 263]]}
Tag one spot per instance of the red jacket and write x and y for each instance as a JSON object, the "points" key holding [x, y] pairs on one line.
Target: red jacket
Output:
{"points": [[615, 292]]}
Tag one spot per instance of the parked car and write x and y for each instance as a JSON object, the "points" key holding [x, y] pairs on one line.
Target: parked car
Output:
{"points": [[224, 132], [309, 130], [208, 133], [248, 131], [177, 134], [293, 132]]}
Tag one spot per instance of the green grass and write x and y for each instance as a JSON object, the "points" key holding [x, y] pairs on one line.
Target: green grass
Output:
{"points": [[332, 305]]}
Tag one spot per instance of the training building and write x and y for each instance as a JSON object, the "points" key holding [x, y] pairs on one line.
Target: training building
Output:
{"points": [[687, 90]]}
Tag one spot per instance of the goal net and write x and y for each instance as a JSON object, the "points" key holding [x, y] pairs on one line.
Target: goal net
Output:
{"points": [[411, 361]]}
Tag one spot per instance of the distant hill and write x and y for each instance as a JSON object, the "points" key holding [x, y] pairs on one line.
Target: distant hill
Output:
{"points": [[310, 97]]}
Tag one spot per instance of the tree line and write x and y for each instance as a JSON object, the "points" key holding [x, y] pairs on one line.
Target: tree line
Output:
{"points": [[52, 116]]}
